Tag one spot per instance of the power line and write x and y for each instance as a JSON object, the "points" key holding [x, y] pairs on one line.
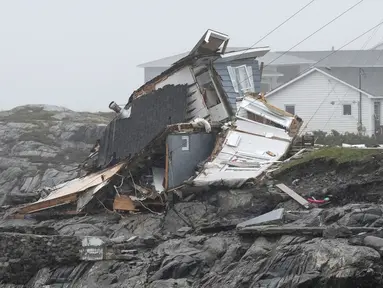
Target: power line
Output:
{"points": [[369, 30], [315, 32], [312, 34], [363, 47], [276, 28]]}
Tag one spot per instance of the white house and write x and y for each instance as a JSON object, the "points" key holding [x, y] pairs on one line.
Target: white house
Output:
{"points": [[327, 103]]}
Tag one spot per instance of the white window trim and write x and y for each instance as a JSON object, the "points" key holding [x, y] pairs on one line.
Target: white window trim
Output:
{"points": [[185, 148], [249, 76]]}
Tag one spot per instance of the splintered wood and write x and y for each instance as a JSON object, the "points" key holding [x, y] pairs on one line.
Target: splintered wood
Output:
{"points": [[123, 203], [294, 195]]}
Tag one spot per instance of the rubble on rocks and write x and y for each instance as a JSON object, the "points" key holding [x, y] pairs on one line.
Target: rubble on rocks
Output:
{"points": [[200, 194]]}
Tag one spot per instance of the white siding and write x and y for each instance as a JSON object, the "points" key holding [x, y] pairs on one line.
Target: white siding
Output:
{"points": [[319, 100]]}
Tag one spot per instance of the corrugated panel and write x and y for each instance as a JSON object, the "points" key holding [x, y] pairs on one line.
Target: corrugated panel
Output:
{"points": [[222, 71]]}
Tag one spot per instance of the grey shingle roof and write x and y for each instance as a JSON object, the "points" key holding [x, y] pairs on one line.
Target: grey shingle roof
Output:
{"points": [[284, 60], [343, 58], [371, 78], [150, 115]]}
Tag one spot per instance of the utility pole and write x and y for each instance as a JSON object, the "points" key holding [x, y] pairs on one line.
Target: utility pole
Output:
{"points": [[360, 100]]}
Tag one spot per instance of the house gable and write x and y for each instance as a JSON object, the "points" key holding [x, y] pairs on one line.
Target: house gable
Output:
{"points": [[308, 73], [324, 103]]}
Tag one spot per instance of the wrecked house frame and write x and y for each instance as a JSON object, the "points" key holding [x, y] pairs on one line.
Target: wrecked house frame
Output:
{"points": [[200, 123]]}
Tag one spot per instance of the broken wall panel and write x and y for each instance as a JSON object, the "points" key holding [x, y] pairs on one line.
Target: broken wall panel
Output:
{"points": [[245, 158], [226, 81], [256, 128], [186, 151], [196, 106], [151, 113], [264, 110], [68, 191]]}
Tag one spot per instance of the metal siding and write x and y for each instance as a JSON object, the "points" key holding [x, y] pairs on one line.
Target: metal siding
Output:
{"points": [[182, 164], [221, 68], [313, 95]]}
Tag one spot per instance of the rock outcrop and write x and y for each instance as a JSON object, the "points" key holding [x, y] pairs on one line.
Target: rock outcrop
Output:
{"points": [[42, 146]]}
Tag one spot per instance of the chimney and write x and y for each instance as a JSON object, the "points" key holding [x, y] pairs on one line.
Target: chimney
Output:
{"points": [[113, 106]]}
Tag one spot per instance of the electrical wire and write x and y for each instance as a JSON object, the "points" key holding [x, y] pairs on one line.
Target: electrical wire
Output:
{"points": [[316, 31], [331, 53], [356, 56], [276, 28], [312, 34]]}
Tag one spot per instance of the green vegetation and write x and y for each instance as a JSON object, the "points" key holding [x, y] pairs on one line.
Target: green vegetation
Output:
{"points": [[340, 155], [336, 139]]}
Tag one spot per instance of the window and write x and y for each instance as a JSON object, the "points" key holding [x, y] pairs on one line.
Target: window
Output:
{"points": [[185, 143], [242, 78], [290, 109], [346, 109]]}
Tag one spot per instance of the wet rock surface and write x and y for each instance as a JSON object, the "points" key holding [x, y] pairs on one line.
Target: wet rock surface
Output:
{"points": [[168, 253], [41, 146], [194, 243]]}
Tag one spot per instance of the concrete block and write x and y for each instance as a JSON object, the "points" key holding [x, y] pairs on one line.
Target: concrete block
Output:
{"points": [[272, 217]]}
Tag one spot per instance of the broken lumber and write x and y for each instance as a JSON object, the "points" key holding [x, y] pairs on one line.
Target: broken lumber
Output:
{"points": [[294, 195], [123, 203]]}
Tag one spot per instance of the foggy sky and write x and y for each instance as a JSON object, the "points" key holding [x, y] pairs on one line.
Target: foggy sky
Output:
{"points": [[82, 54]]}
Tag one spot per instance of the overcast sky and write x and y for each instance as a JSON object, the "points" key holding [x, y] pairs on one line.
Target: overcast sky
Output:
{"points": [[82, 54]]}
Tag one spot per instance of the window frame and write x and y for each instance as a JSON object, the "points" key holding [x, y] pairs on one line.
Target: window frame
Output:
{"points": [[343, 109], [290, 105], [235, 75]]}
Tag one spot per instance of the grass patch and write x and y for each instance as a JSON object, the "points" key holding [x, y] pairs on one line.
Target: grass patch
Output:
{"points": [[340, 155]]}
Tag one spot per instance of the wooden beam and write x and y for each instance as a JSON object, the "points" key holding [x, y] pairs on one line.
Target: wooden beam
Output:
{"points": [[38, 206], [294, 195]]}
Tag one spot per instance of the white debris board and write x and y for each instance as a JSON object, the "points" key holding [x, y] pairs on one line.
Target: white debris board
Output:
{"points": [[294, 195]]}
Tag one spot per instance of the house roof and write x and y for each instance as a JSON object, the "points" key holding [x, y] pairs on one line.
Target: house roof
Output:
{"points": [[343, 58], [282, 60], [322, 72]]}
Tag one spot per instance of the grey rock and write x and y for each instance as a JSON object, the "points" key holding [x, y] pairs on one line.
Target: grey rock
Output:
{"points": [[39, 141]]}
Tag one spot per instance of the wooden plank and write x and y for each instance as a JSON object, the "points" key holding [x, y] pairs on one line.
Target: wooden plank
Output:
{"points": [[123, 203], [294, 195], [38, 206]]}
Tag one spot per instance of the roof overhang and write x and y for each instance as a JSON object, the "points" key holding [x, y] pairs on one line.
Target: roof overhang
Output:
{"points": [[244, 54], [211, 42]]}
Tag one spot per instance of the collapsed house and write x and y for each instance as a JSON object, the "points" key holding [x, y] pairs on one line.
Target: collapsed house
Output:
{"points": [[202, 122]]}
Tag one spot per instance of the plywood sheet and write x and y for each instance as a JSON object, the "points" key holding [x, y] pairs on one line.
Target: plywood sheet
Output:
{"points": [[123, 203]]}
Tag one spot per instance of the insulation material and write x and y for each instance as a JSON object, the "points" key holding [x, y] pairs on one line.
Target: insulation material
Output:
{"points": [[158, 178]]}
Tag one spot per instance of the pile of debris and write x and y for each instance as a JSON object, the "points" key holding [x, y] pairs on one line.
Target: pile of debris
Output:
{"points": [[200, 123]]}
